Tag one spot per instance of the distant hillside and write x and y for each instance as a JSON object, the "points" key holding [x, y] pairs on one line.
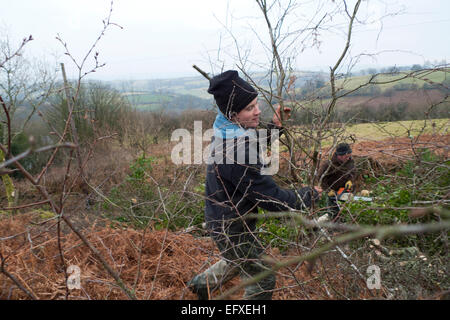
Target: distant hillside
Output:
{"points": [[155, 100], [399, 80], [191, 92], [198, 85]]}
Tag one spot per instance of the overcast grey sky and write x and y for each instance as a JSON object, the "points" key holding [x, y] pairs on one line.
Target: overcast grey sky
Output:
{"points": [[163, 38]]}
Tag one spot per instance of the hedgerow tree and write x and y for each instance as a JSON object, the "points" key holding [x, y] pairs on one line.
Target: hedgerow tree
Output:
{"points": [[24, 83], [99, 110], [67, 138]]}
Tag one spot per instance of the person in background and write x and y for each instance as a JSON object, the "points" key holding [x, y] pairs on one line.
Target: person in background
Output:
{"points": [[337, 173]]}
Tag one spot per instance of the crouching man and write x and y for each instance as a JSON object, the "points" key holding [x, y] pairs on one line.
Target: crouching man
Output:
{"points": [[337, 173]]}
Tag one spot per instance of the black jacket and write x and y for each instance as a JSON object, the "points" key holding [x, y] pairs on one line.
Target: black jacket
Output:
{"points": [[236, 189]]}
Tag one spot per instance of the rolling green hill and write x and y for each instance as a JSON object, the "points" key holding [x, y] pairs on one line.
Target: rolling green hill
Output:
{"points": [[389, 81], [191, 92], [153, 101]]}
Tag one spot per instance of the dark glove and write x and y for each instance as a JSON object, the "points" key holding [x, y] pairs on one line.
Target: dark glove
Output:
{"points": [[308, 196]]}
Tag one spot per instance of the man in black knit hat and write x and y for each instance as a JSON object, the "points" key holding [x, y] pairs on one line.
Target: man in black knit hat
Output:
{"points": [[235, 189], [337, 173]]}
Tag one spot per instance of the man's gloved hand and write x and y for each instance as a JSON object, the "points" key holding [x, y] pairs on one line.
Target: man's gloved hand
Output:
{"points": [[331, 193], [308, 196], [348, 185]]}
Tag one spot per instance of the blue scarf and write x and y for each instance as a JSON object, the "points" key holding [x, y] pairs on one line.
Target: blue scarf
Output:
{"points": [[226, 129]]}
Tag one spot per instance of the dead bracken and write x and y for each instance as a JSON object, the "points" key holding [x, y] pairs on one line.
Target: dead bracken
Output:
{"points": [[156, 263]]}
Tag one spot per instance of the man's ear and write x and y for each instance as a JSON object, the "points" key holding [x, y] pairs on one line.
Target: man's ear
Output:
{"points": [[233, 116]]}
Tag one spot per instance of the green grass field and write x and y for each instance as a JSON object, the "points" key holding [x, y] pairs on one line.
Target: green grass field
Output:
{"points": [[383, 130], [148, 101], [148, 98], [388, 81]]}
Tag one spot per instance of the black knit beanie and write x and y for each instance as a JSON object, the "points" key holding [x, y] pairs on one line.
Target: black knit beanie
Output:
{"points": [[231, 92], [343, 148]]}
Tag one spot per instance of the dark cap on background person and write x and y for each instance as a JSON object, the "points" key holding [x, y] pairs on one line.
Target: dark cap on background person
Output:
{"points": [[342, 149], [231, 92]]}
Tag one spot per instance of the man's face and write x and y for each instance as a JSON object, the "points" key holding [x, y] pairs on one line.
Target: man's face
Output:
{"points": [[249, 116], [344, 158]]}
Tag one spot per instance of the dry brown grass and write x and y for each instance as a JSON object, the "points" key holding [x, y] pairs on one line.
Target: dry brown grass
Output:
{"points": [[166, 262]]}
